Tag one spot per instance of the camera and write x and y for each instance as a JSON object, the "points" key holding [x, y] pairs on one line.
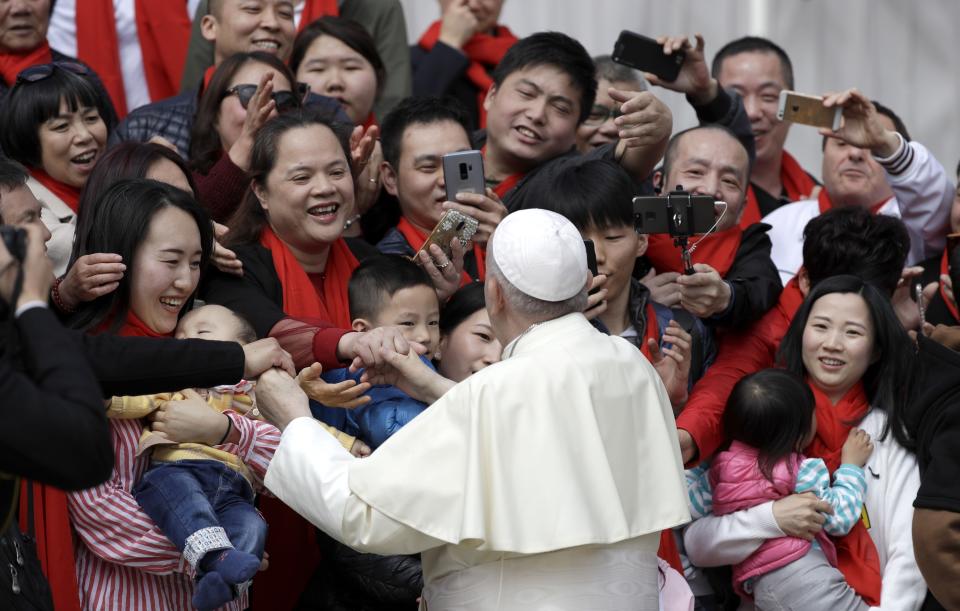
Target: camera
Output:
{"points": [[15, 239]]}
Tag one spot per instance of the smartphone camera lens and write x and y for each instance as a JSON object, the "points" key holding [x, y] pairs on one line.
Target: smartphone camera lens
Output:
{"points": [[463, 171]]}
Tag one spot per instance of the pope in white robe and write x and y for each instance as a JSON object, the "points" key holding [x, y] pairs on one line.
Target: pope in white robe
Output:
{"points": [[539, 483]]}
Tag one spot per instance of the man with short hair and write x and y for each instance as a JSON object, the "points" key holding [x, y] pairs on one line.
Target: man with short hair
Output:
{"points": [[543, 89], [871, 163], [734, 280], [535, 463], [758, 70]]}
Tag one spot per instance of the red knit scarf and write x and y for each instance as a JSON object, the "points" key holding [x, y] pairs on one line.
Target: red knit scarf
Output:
{"points": [[484, 51], [945, 270], [718, 250], [797, 185], [825, 203], [416, 238], [315, 9], [12, 64], [300, 297], [69, 195], [163, 30], [856, 552]]}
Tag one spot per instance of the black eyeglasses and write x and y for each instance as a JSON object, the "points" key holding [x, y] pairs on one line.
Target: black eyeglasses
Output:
{"points": [[34, 74], [285, 100], [600, 114]]}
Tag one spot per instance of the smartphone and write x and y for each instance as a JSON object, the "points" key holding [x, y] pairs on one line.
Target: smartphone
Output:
{"points": [[463, 173], [953, 259], [808, 110], [651, 216], [452, 224], [646, 54]]}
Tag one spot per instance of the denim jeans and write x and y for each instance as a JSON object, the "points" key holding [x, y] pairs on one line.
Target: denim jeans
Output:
{"points": [[187, 496]]}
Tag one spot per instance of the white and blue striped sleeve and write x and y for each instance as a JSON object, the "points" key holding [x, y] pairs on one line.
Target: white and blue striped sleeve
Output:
{"points": [[846, 495], [699, 494]]}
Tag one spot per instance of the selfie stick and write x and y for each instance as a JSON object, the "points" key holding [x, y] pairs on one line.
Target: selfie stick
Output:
{"points": [[679, 220]]}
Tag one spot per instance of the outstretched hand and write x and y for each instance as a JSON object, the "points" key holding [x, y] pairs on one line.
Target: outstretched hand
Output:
{"points": [[280, 398], [673, 363], [347, 394]]}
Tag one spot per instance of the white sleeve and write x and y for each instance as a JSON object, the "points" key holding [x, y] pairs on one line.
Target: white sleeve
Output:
{"points": [[903, 586], [730, 539], [924, 194], [309, 472]]}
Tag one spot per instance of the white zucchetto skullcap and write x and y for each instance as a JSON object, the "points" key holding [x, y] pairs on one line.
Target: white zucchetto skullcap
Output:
{"points": [[541, 253]]}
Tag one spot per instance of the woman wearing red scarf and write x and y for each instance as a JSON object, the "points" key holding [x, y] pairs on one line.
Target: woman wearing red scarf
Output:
{"points": [[53, 123], [457, 53], [244, 92], [287, 232], [847, 342], [122, 560]]}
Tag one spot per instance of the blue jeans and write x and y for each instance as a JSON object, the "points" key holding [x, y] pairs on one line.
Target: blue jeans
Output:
{"points": [[186, 496]]}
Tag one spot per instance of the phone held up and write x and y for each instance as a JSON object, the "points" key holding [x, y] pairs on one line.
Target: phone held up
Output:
{"points": [[463, 173], [646, 54], [453, 224], [808, 110], [679, 214]]}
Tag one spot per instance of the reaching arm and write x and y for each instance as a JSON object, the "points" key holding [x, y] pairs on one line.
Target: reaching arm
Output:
{"points": [[845, 496], [730, 539]]}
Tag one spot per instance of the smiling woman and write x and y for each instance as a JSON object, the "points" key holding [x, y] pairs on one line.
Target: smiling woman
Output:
{"points": [[53, 123]]}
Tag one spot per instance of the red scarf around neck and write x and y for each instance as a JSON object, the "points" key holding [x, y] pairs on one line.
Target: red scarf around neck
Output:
{"points": [[797, 185], [791, 298], [315, 9], [483, 50], [507, 183], [945, 270], [718, 250], [416, 238], [67, 194], [163, 30], [856, 552], [300, 297], [52, 517], [825, 203], [12, 64]]}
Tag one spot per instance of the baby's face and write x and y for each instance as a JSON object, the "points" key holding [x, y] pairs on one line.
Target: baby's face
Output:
{"points": [[209, 322], [417, 312]]}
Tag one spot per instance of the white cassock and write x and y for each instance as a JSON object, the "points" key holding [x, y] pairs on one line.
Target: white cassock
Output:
{"points": [[539, 483]]}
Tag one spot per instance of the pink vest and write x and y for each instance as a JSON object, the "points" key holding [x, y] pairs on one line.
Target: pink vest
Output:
{"points": [[737, 483]]}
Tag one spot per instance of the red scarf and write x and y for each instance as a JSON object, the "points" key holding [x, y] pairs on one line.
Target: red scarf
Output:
{"points": [[416, 238], [52, 518], [11, 64], [300, 298], [315, 9], [856, 553], [717, 250], [652, 332], [825, 203], [791, 298], [797, 184], [507, 183], [69, 195], [370, 122], [484, 51], [163, 29], [945, 270]]}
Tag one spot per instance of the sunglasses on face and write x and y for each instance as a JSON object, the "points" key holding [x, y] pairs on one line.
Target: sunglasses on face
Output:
{"points": [[285, 100], [34, 74]]}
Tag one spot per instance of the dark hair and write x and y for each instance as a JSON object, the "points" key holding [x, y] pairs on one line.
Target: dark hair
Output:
{"points": [[377, 279], [421, 110], [772, 411], [851, 240], [122, 160], [205, 145], [887, 379], [754, 44], [120, 223], [248, 221], [12, 175], [28, 105], [347, 31], [559, 51], [610, 70], [462, 305], [589, 192], [670, 156]]}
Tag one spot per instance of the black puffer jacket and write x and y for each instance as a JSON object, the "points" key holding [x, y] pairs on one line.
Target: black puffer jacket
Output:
{"points": [[348, 580]]}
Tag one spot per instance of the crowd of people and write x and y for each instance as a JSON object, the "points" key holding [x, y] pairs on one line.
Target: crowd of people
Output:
{"points": [[237, 371]]}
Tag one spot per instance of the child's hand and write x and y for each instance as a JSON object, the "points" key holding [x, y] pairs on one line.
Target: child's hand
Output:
{"points": [[857, 449], [360, 449], [346, 394]]}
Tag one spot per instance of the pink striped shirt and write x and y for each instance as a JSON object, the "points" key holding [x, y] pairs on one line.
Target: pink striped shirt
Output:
{"points": [[124, 562]]}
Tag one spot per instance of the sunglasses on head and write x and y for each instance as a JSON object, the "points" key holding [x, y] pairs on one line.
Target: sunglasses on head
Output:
{"points": [[285, 100], [44, 71]]}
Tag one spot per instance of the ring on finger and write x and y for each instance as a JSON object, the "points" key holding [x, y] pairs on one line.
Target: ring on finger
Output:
{"points": [[373, 180], [441, 265]]}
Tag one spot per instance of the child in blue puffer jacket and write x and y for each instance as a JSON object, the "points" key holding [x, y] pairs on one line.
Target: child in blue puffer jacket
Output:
{"points": [[385, 290]]}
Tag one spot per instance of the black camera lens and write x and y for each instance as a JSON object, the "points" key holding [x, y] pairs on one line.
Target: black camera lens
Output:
{"points": [[463, 171], [15, 239]]}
